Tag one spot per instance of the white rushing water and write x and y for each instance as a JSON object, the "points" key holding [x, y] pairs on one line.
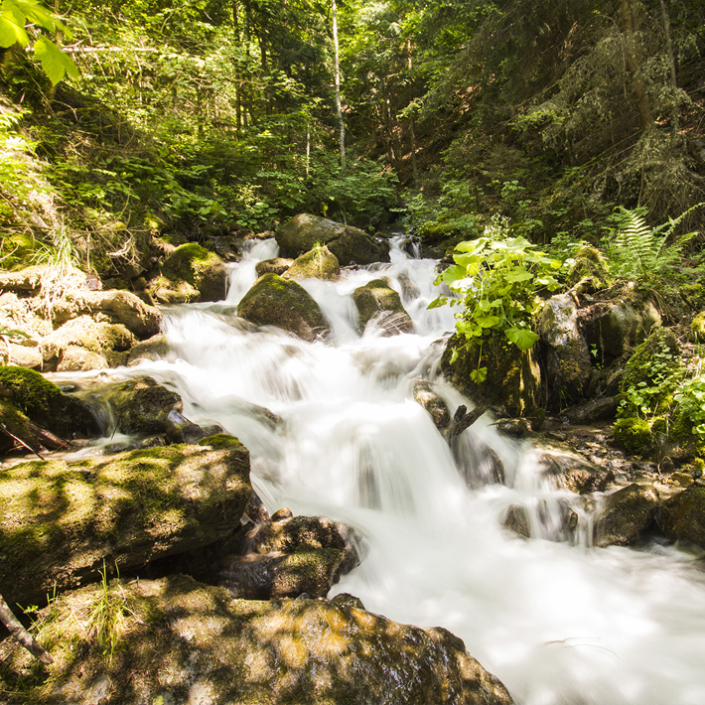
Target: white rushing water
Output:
{"points": [[556, 623]]}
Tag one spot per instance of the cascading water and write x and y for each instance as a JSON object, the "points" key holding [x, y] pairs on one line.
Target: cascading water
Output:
{"points": [[556, 623]]}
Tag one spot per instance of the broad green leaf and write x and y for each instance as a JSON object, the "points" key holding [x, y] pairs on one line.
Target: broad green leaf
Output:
{"points": [[464, 260], [34, 12], [523, 338], [12, 22], [518, 275], [55, 63], [437, 303], [472, 246], [488, 321], [452, 274]]}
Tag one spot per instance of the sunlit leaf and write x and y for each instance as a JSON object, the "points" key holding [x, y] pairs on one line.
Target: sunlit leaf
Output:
{"points": [[523, 338], [55, 63], [12, 22]]}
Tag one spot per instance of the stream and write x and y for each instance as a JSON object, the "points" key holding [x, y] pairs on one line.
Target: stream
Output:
{"points": [[557, 622]]}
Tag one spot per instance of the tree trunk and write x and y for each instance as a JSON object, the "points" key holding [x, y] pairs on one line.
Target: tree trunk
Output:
{"points": [[672, 61], [412, 130], [634, 64], [338, 104]]}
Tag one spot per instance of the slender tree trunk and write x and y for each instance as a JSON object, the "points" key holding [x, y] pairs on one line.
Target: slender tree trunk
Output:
{"points": [[634, 64], [412, 131], [21, 634], [338, 105], [672, 61]]}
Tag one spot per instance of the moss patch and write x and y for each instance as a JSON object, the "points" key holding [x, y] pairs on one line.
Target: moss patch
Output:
{"points": [[59, 520], [632, 434]]}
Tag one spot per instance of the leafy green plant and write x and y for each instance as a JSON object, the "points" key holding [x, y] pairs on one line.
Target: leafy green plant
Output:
{"points": [[497, 282], [640, 252], [690, 400]]}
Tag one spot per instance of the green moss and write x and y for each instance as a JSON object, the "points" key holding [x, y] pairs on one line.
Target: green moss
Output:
{"points": [[633, 434], [697, 328], [188, 262], [31, 392], [220, 441]]}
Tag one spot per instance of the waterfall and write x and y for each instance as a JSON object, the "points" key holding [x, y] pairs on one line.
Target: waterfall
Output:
{"points": [[557, 623]]}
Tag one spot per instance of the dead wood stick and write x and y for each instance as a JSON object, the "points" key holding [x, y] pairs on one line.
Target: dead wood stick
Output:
{"points": [[462, 420], [3, 428], [22, 635]]}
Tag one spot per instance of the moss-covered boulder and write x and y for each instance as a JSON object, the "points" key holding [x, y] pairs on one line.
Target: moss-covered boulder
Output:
{"points": [[683, 516], [616, 326], [114, 306], [274, 301], [59, 521], [350, 245], [626, 515], [141, 406], [190, 273], [633, 435], [513, 376], [568, 364], [318, 263], [655, 355], [175, 641], [278, 265], [84, 344], [377, 302], [590, 270], [43, 403]]}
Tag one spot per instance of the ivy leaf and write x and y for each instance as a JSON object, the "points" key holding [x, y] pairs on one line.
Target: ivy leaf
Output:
{"points": [[55, 63], [12, 22], [523, 338]]}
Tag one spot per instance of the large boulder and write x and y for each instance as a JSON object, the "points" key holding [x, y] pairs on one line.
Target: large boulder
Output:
{"points": [[626, 515], [616, 326], [377, 301], [513, 379], [567, 355], [41, 402], [274, 301], [84, 344], [141, 406], [190, 273], [176, 642], [289, 557], [565, 469], [114, 306], [318, 263], [683, 516], [350, 245], [278, 265], [61, 521]]}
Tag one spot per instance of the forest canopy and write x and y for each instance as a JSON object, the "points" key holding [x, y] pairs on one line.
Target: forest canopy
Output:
{"points": [[197, 118]]}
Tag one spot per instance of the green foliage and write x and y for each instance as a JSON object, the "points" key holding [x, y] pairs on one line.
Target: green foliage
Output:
{"points": [[15, 15], [690, 400], [643, 253], [652, 376], [498, 281], [633, 434]]}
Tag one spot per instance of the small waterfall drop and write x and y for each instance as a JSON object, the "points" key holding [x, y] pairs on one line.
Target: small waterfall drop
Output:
{"points": [[558, 624]]}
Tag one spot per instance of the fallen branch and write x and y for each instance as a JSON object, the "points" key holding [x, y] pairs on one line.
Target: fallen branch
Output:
{"points": [[3, 428], [22, 635], [462, 420]]}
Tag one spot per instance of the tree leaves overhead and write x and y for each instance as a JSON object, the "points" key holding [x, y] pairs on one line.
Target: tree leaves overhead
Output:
{"points": [[55, 63]]}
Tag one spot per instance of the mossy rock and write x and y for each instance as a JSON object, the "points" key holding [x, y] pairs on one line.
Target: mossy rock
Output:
{"points": [[377, 301], [660, 342], [278, 265], [190, 273], [626, 515], [590, 269], [697, 328], [318, 263], [683, 516], [46, 406], [633, 435], [141, 406], [175, 641], [274, 301], [350, 245], [154, 348], [513, 376], [60, 520]]}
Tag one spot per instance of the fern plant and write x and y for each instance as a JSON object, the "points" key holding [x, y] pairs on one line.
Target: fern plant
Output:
{"points": [[641, 252]]}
